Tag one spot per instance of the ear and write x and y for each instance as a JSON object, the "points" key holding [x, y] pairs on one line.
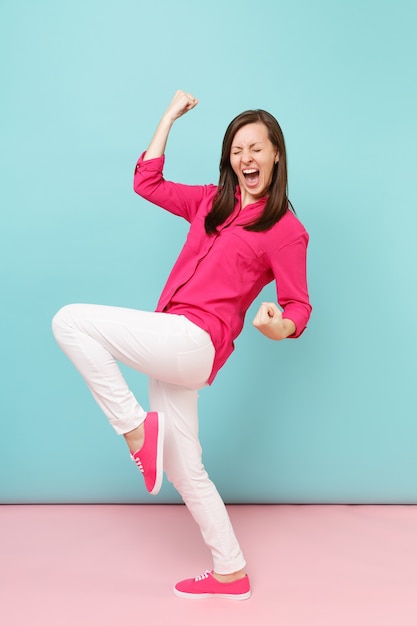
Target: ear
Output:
{"points": [[276, 158]]}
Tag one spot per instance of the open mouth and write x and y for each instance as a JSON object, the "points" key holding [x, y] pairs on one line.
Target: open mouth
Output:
{"points": [[251, 176]]}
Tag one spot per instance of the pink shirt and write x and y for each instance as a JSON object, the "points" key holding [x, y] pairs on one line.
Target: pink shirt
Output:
{"points": [[216, 278]]}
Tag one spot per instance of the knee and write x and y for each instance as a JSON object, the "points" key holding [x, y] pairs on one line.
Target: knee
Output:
{"points": [[189, 482], [63, 320]]}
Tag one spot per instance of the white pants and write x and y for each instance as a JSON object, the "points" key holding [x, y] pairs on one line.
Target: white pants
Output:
{"points": [[177, 356]]}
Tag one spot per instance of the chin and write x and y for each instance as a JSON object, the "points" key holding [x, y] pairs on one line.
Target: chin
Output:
{"points": [[256, 193]]}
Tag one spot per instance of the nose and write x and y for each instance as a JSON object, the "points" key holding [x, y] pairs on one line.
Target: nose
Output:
{"points": [[246, 157]]}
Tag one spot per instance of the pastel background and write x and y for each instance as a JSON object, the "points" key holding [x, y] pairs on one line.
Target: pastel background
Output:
{"points": [[328, 418]]}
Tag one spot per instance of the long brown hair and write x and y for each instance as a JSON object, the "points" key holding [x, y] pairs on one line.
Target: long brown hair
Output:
{"points": [[224, 200]]}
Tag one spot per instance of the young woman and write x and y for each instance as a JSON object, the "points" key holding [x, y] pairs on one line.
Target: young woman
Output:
{"points": [[243, 235]]}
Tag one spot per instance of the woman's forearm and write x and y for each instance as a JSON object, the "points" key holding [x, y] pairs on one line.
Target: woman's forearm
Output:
{"points": [[158, 142], [181, 103]]}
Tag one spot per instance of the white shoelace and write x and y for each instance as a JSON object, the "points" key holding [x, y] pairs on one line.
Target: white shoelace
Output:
{"points": [[138, 462], [202, 576]]}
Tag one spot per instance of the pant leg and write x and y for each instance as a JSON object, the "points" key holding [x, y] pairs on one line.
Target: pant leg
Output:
{"points": [[161, 345], [184, 468]]}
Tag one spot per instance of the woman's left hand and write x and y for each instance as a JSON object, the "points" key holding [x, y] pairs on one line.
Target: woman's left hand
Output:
{"points": [[269, 322]]}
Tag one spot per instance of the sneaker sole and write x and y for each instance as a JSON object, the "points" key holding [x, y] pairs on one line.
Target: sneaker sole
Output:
{"points": [[159, 455], [201, 596]]}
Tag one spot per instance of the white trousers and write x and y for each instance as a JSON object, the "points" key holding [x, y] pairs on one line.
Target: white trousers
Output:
{"points": [[177, 356]]}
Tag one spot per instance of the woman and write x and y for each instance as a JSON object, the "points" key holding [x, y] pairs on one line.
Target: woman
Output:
{"points": [[243, 235]]}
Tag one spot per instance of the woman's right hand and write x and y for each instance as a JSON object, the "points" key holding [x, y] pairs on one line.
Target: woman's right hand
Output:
{"points": [[181, 103]]}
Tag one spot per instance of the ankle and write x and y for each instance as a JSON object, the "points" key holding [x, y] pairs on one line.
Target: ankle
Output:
{"points": [[229, 578], [135, 438]]}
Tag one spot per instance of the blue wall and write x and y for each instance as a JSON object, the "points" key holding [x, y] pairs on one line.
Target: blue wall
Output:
{"points": [[328, 418]]}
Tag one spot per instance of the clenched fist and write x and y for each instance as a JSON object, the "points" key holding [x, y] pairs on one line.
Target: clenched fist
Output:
{"points": [[269, 322], [181, 103]]}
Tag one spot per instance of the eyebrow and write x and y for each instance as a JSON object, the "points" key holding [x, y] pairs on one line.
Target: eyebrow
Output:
{"points": [[234, 146]]}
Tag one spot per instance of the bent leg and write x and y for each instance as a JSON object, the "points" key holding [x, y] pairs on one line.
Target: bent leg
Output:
{"points": [[95, 337]]}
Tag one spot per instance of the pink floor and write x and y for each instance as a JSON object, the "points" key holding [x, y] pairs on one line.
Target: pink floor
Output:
{"points": [[110, 565]]}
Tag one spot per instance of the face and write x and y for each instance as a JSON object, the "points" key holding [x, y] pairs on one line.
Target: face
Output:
{"points": [[253, 158]]}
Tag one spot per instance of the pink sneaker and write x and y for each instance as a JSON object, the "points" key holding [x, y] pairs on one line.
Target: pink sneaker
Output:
{"points": [[206, 586], [149, 457]]}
